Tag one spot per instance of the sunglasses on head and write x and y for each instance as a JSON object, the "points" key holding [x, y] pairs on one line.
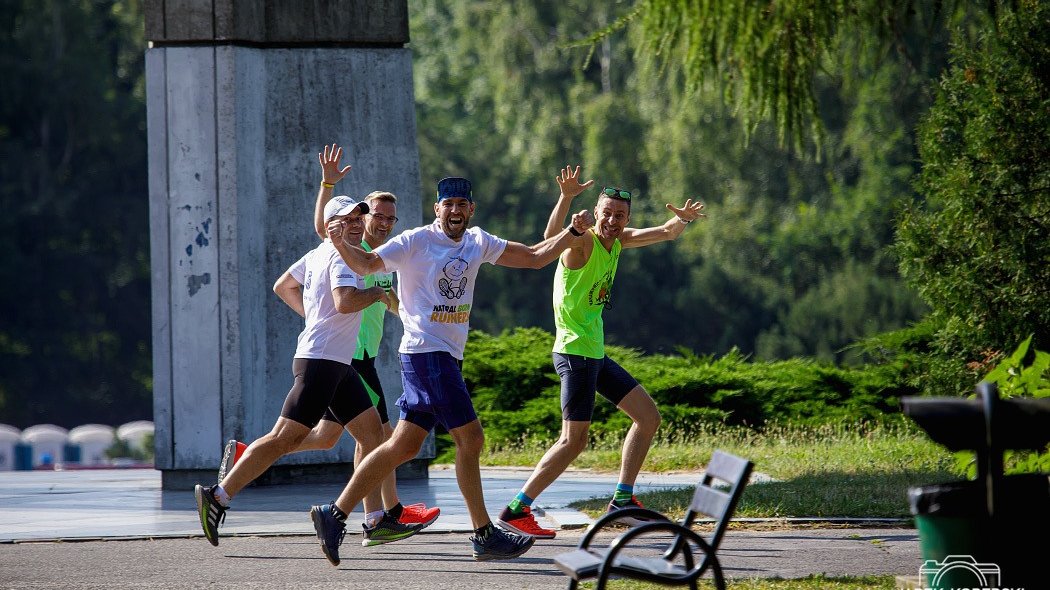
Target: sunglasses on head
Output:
{"points": [[617, 193]]}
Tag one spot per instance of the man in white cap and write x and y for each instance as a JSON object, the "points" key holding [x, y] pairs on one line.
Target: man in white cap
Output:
{"points": [[437, 268], [331, 299], [381, 217]]}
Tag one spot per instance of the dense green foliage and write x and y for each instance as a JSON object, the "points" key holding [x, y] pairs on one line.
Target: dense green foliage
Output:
{"points": [[516, 391], [74, 324], [793, 260], [767, 57], [978, 248]]}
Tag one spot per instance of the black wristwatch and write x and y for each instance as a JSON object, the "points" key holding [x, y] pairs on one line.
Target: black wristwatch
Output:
{"points": [[572, 230]]}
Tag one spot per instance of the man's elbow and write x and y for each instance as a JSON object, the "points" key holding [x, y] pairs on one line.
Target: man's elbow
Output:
{"points": [[537, 262]]}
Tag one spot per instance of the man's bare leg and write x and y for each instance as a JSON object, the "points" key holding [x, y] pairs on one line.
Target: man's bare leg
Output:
{"points": [[470, 439]]}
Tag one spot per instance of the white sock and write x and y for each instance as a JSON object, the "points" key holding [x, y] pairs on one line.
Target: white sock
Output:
{"points": [[373, 518], [223, 498]]}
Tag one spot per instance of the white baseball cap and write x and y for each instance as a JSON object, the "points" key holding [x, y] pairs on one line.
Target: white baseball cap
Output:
{"points": [[343, 205]]}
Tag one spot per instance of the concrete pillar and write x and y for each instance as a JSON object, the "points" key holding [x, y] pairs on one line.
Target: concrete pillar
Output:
{"points": [[241, 95]]}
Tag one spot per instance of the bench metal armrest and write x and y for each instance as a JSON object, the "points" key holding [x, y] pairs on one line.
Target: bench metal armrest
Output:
{"points": [[694, 571]]}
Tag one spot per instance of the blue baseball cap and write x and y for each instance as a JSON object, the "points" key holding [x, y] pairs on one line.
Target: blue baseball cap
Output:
{"points": [[454, 186]]}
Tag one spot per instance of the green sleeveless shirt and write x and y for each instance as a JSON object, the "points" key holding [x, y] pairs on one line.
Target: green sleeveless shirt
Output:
{"points": [[371, 331], [579, 299]]}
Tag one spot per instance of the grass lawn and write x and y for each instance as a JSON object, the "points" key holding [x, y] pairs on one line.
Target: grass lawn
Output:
{"points": [[841, 470]]}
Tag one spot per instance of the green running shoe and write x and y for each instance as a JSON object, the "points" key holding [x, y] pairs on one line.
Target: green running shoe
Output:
{"points": [[388, 530]]}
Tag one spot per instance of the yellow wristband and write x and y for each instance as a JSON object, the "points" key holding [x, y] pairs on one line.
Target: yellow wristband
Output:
{"points": [[327, 184]]}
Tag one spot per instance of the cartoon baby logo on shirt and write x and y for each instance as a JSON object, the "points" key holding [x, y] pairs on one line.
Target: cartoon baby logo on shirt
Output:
{"points": [[454, 284]]}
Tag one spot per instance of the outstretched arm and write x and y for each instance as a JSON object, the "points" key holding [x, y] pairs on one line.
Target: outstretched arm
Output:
{"points": [[359, 261], [568, 181], [518, 255], [690, 212], [331, 173], [352, 300], [290, 292]]}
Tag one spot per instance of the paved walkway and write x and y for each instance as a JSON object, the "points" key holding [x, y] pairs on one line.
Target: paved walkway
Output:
{"points": [[107, 504], [267, 541]]}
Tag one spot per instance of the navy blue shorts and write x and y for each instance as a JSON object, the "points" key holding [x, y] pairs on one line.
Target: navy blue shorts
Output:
{"points": [[322, 385], [581, 376], [434, 391]]}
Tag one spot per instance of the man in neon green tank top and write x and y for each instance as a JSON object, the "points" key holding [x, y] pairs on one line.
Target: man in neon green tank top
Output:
{"points": [[582, 287]]}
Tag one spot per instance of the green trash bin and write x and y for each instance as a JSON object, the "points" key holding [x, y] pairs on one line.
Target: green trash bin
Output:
{"points": [[963, 547]]}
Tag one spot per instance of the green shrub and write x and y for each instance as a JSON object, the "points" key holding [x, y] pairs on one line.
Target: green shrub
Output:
{"points": [[517, 393]]}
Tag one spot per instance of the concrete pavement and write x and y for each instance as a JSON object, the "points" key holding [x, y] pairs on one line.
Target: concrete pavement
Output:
{"points": [[117, 529]]}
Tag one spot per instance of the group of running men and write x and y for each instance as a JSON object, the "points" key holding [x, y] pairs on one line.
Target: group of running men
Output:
{"points": [[343, 288]]}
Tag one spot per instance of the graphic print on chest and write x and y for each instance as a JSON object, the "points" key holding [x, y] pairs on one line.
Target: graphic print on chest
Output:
{"points": [[453, 284], [601, 291]]}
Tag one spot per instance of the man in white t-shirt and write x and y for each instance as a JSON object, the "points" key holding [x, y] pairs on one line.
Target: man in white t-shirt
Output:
{"points": [[437, 266], [331, 299], [381, 217]]}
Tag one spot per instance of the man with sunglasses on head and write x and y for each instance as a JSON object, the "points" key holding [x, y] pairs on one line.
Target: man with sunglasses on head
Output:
{"points": [[379, 222], [582, 287], [437, 266]]}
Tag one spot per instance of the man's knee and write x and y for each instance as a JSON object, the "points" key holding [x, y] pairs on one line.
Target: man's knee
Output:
{"points": [[286, 440], [329, 437], [649, 422], [469, 439], [369, 439], [574, 440], [404, 444]]}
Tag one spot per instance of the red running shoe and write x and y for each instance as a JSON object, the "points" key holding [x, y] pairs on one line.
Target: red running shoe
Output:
{"points": [[230, 454], [419, 514], [524, 524]]}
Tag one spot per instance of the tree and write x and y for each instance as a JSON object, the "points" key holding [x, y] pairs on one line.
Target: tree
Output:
{"points": [[74, 318], [978, 249], [766, 56], [501, 99]]}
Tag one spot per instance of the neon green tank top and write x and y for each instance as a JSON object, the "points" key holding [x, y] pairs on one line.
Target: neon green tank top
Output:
{"points": [[579, 299], [371, 331]]}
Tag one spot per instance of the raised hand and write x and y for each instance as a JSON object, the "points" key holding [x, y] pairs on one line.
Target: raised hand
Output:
{"points": [[330, 171], [689, 212], [583, 221], [569, 182]]}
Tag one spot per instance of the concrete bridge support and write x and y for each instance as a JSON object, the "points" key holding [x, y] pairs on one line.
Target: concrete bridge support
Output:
{"points": [[241, 95]]}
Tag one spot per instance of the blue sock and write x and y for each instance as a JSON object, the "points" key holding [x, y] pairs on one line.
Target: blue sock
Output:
{"points": [[520, 502], [623, 492]]}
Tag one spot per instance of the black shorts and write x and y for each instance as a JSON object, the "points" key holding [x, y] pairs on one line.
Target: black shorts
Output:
{"points": [[581, 376], [321, 385], [366, 371]]}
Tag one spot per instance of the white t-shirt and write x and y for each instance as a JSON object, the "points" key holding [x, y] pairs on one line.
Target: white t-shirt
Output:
{"points": [[436, 278], [328, 334]]}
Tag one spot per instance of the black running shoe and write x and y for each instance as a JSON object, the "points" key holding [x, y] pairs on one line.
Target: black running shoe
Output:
{"points": [[210, 512], [330, 531], [500, 544], [388, 530]]}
